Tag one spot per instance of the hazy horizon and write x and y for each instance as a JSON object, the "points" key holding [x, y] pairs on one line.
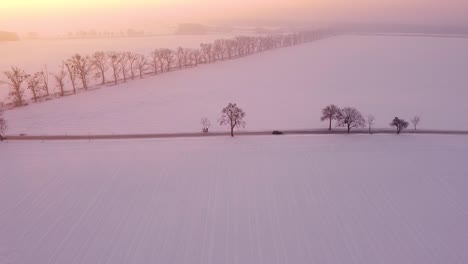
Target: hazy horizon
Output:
{"points": [[58, 17]]}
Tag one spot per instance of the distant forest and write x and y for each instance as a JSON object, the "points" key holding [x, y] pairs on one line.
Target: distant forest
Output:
{"points": [[8, 36]]}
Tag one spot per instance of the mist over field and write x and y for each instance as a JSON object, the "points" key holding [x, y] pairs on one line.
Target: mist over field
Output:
{"points": [[53, 17], [203, 131]]}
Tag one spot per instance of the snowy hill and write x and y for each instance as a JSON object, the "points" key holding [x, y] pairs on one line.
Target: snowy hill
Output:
{"points": [[280, 89]]}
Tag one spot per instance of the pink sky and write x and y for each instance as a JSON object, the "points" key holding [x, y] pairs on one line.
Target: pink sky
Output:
{"points": [[58, 16]]}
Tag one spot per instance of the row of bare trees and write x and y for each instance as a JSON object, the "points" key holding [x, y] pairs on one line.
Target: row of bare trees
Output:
{"points": [[79, 70], [350, 117]]}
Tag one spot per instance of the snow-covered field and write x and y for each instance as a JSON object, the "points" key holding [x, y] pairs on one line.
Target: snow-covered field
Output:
{"points": [[279, 89], [321, 199]]}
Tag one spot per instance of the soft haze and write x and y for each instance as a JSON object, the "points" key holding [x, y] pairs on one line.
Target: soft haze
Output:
{"points": [[57, 16]]}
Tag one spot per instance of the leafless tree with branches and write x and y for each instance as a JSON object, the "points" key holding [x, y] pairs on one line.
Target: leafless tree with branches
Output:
{"points": [[180, 54], [114, 64], [155, 61], [232, 116], [195, 57], [34, 82], [350, 117], [205, 122], [45, 80], [132, 60], [99, 60], [166, 56], [141, 64], [71, 75], [330, 113], [60, 79], [82, 66], [415, 122], [123, 60], [218, 49], [15, 78]]}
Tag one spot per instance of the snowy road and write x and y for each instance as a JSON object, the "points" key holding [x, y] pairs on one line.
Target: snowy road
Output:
{"points": [[291, 199]]}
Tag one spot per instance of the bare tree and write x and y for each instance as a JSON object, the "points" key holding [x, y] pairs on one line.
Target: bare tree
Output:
{"points": [[82, 67], [180, 56], [330, 113], [187, 56], [229, 46], [141, 65], [16, 77], [205, 122], [232, 116], [3, 125], [155, 60], [166, 55], [99, 61], [123, 65], [399, 124], [60, 79], [71, 75], [370, 122], [45, 79], [218, 49], [415, 121], [350, 117], [115, 65], [196, 56], [132, 60], [206, 52], [34, 82]]}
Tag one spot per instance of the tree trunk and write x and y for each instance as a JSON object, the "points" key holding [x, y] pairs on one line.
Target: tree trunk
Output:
{"points": [[232, 131], [83, 81], [19, 98], [329, 127], [103, 77], [349, 128]]}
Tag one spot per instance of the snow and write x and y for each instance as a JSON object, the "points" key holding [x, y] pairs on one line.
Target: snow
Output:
{"points": [[385, 76], [284, 199]]}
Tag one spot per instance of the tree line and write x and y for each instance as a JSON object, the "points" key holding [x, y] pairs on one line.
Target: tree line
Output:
{"points": [[347, 117], [350, 117], [79, 70]]}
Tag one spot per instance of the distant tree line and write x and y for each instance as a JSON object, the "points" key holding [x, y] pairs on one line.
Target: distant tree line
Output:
{"points": [[350, 117], [78, 71]]}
